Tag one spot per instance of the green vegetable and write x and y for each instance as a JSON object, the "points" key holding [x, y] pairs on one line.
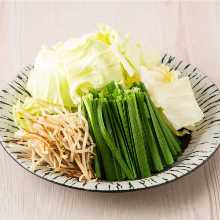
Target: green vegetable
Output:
{"points": [[173, 142], [126, 132], [119, 135], [137, 139], [138, 136], [106, 157], [171, 138], [160, 136], [132, 140], [110, 143], [97, 161], [151, 144], [109, 126]]}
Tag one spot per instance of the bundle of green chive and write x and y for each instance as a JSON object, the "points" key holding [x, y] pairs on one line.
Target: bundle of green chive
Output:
{"points": [[133, 140]]}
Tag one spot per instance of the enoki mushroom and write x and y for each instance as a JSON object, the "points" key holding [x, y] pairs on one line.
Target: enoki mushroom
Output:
{"points": [[60, 141]]}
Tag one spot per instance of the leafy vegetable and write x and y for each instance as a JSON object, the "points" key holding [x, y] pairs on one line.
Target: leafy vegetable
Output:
{"points": [[66, 71], [160, 137], [110, 143], [138, 136], [150, 142], [103, 153], [166, 90], [134, 131]]}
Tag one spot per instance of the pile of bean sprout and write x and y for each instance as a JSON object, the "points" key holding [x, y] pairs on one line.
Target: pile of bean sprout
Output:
{"points": [[59, 141]]}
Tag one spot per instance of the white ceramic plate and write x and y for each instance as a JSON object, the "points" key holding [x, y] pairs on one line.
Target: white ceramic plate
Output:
{"points": [[205, 139]]}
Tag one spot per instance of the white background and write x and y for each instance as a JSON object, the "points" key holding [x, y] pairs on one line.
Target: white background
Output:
{"points": [[188, 30]]}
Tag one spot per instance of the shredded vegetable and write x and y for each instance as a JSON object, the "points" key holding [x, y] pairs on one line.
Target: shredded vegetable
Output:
{"points": [[61, 142]]}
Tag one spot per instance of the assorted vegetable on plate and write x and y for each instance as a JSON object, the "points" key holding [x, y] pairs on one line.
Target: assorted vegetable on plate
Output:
{"points": [[103, 107]]}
